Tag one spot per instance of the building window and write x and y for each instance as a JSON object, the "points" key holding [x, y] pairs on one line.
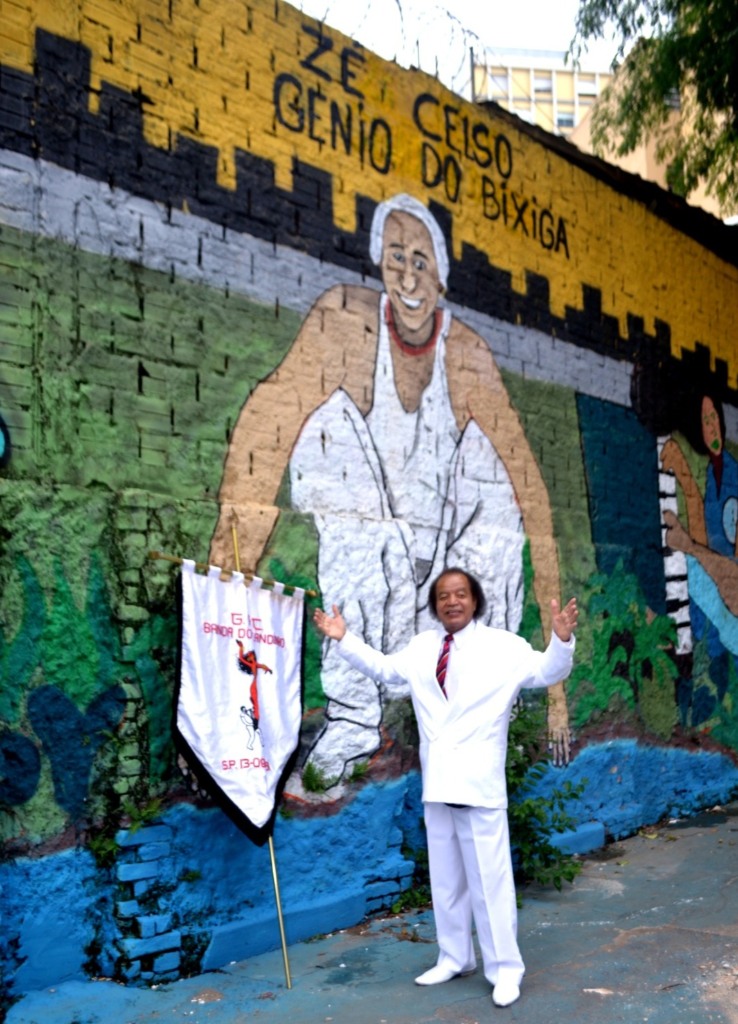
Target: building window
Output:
{"points": [[498, 84], [586, 85]]}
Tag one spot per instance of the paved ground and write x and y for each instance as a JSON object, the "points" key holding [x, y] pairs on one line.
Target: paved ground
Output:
{"points": [[647, 933]]}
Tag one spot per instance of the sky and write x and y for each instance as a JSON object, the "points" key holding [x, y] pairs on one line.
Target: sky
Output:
{"points": [[423, 33]]}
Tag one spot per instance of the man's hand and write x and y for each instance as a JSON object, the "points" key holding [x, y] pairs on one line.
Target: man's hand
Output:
{"points": [[564, 621], [332, 626]]}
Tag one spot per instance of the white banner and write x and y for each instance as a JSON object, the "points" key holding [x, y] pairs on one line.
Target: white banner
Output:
{"points": [[240, 695]]}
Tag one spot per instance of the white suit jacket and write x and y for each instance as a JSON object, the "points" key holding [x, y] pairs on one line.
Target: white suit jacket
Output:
{"points": [[463, 740]]}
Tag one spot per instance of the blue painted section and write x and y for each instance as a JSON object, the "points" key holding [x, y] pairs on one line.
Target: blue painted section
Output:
{"points": [[5, 446], [260, 932], [628, 785], [583, 839], [150, 835], [51, 910], [169, 962], [332, 869], [620, 459], [329, 868], [136, 948], [322, 862], [703, 590], [72, 738], [411, 819]]}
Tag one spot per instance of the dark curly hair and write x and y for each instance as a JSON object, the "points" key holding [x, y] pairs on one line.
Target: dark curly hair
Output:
{"points": [[474, 585]]}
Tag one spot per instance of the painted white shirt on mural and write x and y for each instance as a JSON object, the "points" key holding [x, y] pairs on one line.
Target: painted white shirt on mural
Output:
{"points": [[396, 496]]}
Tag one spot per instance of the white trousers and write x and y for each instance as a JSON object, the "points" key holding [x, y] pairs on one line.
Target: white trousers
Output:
{"points": [[471, 877]]}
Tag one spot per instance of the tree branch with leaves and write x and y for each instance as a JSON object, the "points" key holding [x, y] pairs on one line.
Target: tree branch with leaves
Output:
{"points": [[676, 85]]}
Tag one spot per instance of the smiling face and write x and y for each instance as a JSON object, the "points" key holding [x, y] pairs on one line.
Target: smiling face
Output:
{"points": [[410, 276], [711, 427], [455, 603]]}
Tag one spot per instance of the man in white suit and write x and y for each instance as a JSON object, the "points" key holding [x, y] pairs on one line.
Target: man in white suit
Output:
{"points": [[464, 678]]}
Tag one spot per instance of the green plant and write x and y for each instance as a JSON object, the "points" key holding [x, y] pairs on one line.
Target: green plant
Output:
{"points": [[139, 816], [675, 87], [103, 847], [358, 771], [534, 819], [411, 899], [102, 842], [314, 780], [419, 894]]}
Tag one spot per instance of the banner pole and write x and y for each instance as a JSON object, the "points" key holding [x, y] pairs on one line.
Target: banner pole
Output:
{"points": [[275, 877]]}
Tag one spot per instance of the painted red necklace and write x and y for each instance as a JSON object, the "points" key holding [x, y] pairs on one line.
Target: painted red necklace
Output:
{"points": [[413, 350]]}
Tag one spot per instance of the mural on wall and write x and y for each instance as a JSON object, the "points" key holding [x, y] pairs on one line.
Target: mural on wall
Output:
{"points": [[380, 436], [708, 534], [682, 405], [373, 433], [391, 411], [250, 266]]}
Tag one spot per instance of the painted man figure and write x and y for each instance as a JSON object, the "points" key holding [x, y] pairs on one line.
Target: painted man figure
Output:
{"points": [[464, 678], [392, 413]]}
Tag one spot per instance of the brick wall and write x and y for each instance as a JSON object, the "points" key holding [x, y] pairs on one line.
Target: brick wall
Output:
{"points": [[186, 201]]}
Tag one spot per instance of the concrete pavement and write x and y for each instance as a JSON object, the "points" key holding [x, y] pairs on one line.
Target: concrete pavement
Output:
{"points": [[647, 933]]}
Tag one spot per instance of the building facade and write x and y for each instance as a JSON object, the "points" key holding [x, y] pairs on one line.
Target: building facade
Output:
{"points": [[540, 86]]}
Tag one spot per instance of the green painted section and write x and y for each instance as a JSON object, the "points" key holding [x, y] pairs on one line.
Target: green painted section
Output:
{"points": [[133, 378], [128, 382], [19, 655], [153, 652], [70, 655], [548, 413], [292, 556], [631, 675]]}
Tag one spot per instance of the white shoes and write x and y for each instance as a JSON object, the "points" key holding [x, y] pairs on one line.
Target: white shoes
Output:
{"points": [[505, 993], [438, 974]]}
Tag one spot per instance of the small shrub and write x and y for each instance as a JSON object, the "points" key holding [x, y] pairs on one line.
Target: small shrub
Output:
{"points": [[415, 898], [534, 819], [314, 780], [358, 771]]}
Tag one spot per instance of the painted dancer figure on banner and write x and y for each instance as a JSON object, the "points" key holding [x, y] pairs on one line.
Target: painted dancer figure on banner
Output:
{"points": [[390, 410], [211, 704], [250, 715]]}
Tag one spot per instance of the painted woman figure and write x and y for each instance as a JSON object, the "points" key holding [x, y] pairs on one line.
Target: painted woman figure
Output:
{"points": [[709, 538]]}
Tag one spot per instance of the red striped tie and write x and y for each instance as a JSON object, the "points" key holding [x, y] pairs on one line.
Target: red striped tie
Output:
{"points": [[443, 663]]}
